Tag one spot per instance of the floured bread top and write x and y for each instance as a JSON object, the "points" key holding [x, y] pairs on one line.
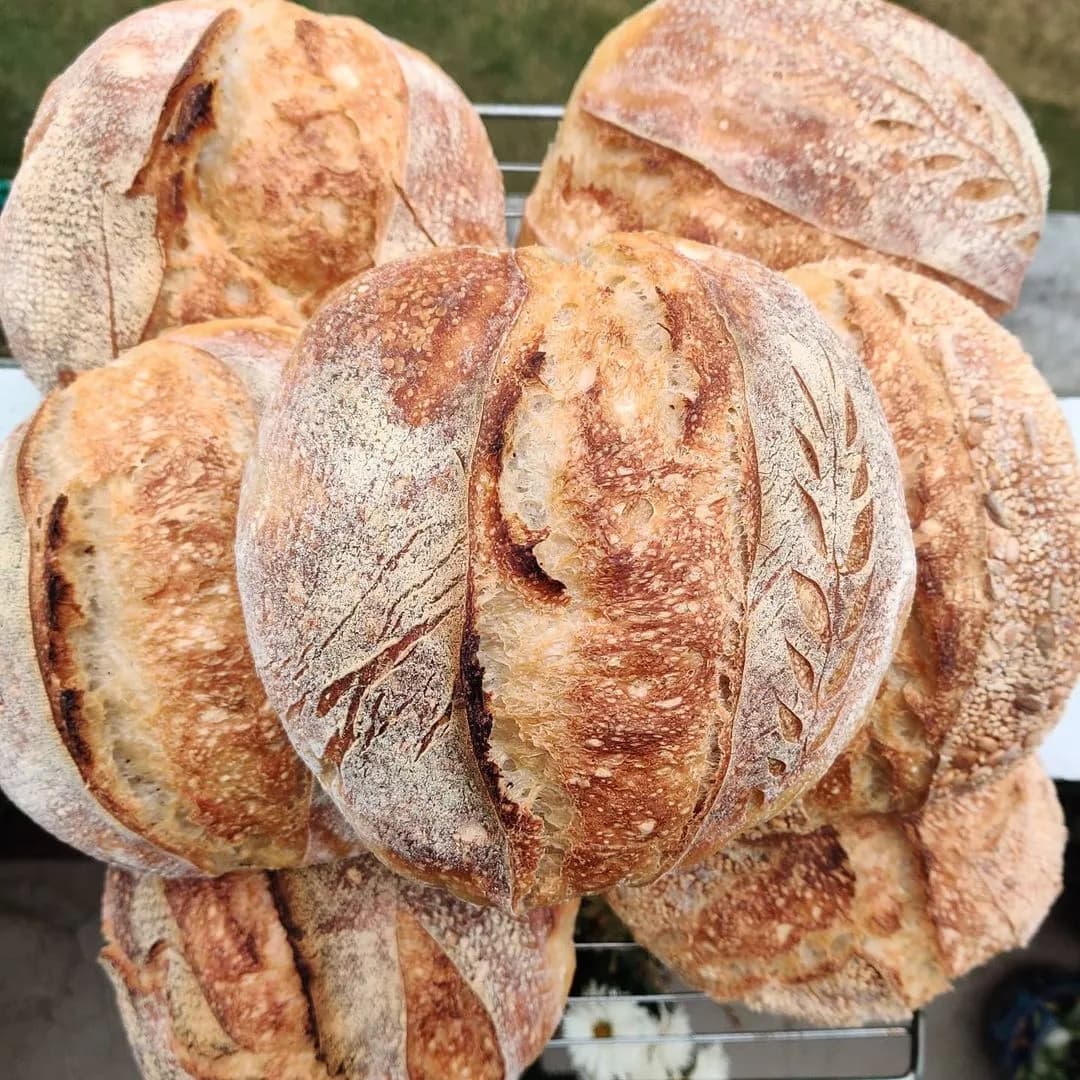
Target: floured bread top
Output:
{"points": [[800, 131], [205, 159], [137, 726], [337, 971], [867, 919], [581, 564], [991, 650]]}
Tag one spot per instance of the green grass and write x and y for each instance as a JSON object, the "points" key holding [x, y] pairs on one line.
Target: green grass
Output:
{"points": [[532, 50]]}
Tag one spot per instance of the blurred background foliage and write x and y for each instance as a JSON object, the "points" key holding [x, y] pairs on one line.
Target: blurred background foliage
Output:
{"points": [[531, 50]]}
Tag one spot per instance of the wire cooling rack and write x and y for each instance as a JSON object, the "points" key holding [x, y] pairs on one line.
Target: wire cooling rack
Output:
{"points": [[757, 1045]]}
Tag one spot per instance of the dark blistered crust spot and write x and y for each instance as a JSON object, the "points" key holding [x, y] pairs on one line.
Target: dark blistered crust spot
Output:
{"points": [[69, 722], [54, 534], [476, 706], [194, 111], [521, 566], [175, 194], [480, 722], [60, 611], [58, 594]]}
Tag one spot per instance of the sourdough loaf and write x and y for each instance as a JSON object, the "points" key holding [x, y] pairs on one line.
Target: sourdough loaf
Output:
{"points": [[545, 561], [342, 970], [866, 919], [132, 723], [992, 647], [798, 131], [211, 158]]}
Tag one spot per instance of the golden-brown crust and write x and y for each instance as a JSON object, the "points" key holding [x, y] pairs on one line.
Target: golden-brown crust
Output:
{"points": [[599, 601], [447, 1033], [451, 189], [341, 970], [374, 427], [828, 130], [991, 650], [867, 919], [81, 262], [131, 665], [233, 160]]}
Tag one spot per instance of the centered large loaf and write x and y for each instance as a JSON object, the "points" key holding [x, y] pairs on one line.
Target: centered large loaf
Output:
{"points": [[545, 561]]}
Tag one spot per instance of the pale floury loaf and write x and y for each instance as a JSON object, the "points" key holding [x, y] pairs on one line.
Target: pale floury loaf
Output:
{"points": [[132, 722], [991, 650], [342, 970], [866, 919], [545, 563], [211, 158], [798, 131]]}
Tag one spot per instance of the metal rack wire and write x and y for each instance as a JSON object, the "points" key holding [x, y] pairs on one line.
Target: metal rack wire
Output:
{"points": [[757, 1047]]}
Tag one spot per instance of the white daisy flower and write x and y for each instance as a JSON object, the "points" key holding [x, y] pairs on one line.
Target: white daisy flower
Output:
{"points": [[673, 1056], [711, 1063], [600, 1020]]}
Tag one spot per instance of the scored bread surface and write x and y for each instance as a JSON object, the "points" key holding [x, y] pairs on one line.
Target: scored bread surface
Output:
{"points": [[203, 160], [562, 585], [340, 970], [866, 919], [990, 652], [135, 726], [808, 130]]}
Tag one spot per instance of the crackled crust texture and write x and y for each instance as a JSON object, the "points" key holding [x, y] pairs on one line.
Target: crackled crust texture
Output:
{"points": [[344, 970], [800, 131], [992, 647], [215, 159], [558, 571], [867, 919], [133, 724]]}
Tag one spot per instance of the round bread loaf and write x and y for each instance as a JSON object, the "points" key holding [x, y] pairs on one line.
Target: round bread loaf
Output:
{"points": [[544, 561], [799, 131], [214, 158], [132, 723], [867, 919], [992, 647], [342, 970]]}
